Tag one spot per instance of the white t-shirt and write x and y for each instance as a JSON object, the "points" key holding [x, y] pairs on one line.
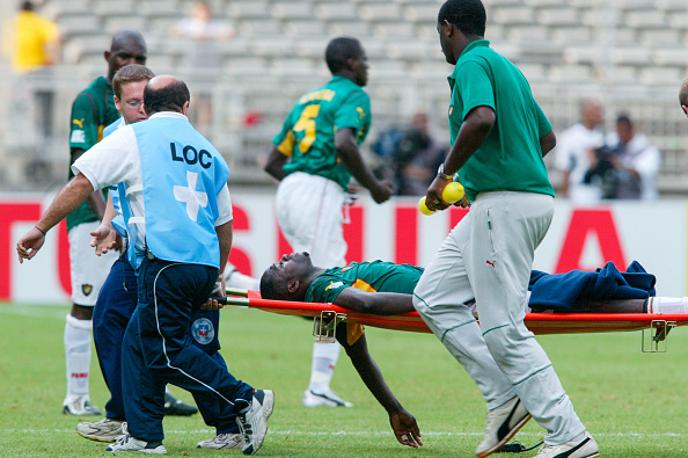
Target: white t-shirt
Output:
{"points": [[115, 159], [571, 155]]}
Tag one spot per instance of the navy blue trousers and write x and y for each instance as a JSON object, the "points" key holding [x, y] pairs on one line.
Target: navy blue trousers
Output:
{"points": [[158, 349], [114, 308]]}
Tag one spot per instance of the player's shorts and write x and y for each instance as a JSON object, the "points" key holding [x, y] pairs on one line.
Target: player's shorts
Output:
{"points": [[309, 212], [88, 270]]}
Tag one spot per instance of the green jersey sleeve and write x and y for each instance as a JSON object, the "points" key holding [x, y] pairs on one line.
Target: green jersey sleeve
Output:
{"points": [[83, 123], [354, 113], [284, 140], [475, 88], [326, 288], [544, 126]]}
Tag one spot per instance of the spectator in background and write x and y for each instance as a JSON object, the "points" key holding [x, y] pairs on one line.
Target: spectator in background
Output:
{"points": [[416, 158], [636, 161], [683, 97], [33, 44], [575, 150], [204, 56], [411, 154]]}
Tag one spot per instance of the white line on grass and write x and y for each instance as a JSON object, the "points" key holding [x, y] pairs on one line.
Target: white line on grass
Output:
{"points": [[629, 434]]}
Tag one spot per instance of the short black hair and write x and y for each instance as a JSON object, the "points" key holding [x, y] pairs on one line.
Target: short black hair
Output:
{"points": [[171, 97], [468, 15], [624, 118], [341, 49], [27, 5], [269, 286]]}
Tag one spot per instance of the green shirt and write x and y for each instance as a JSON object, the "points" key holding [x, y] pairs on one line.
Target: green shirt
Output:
{"points": [[367, 276], [92, 110], [307, 135], [510, 158]]}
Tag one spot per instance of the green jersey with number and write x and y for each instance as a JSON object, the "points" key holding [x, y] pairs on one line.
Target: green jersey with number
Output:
{"points": [[307, 136], [92, 110], [376, 276], [510, 158]]}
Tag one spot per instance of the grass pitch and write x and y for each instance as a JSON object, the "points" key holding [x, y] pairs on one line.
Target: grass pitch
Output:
{"points": [[634, 403]]}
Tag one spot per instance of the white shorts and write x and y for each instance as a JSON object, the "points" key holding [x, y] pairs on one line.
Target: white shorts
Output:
{"points": [[309, 212], [88, 270]]}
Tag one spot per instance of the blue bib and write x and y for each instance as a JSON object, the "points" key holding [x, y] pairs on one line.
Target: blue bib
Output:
{"points": [[182, 174]]}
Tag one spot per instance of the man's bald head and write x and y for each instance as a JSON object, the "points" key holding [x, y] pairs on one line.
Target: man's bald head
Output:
{"points": [[683, 96], [166, 93], [127, 47], [592, 113]]}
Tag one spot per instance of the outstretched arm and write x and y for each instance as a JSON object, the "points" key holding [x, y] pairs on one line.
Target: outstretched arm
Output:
{"points": [[69, 198], [374, 303], [403, 423]]}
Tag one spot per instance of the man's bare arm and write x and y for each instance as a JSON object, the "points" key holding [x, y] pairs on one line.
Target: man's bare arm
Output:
{"points": [[348, 152], [69, 198], [375, 303], [224, 234], [403, 423], [547, 143], [275, 164]]}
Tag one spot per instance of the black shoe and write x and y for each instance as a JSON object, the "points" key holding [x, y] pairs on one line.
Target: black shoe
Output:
{"points": [[174, 406]]}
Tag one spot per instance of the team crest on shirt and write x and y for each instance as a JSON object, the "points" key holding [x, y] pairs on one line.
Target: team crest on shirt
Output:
{"points": [[203, 331], [86, 289], [333, 285]]}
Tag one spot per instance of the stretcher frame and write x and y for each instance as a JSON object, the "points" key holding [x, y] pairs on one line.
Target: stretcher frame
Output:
{"points": [[655, 327]]}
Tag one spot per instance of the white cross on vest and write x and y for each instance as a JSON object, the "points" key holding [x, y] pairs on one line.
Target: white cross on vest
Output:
{"points": [[192, 198]]}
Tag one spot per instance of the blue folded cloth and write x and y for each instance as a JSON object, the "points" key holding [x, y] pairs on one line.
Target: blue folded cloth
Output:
{"points": [[561, 292]]}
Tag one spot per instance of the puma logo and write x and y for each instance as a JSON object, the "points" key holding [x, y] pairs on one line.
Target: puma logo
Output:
{"points": [[492, 264], [79, 122]]}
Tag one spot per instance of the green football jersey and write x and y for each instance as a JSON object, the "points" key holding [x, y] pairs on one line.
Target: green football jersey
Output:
{"points": [[307, 135], [92, 110], [510, 158], [376, 276]]}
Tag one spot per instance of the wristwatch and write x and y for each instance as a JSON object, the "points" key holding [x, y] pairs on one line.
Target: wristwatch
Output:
{"points": [[441, 174]]}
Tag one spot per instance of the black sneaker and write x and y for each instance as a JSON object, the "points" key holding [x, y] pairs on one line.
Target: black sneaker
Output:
{"points": [[174, 406], [252, 419]]}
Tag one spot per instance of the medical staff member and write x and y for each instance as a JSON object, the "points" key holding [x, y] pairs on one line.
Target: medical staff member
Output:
{"points": [[499, 136], [181, 231]]}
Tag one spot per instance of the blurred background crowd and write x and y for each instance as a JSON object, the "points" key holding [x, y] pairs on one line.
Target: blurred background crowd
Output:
{"points": [[607, 74]]}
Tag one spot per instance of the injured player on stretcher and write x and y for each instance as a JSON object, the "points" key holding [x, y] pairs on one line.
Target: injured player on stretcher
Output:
{"points": [[385, 288]]}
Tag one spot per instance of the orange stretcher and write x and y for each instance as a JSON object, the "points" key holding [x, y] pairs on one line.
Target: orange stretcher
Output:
{"points": [[538, 323]]}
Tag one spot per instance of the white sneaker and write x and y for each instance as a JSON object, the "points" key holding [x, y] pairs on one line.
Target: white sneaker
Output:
{"points": [[226, 440], [105, 430], [326, 398], [502, 424], [79, 406], [577, 448], [127, 443], [253, 420]]}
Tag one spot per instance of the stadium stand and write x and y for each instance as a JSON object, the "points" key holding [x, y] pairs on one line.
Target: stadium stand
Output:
{"points": [[631, 54]]}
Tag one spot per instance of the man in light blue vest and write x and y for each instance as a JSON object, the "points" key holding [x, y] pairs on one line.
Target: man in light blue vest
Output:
{"points": [[180, 228]]}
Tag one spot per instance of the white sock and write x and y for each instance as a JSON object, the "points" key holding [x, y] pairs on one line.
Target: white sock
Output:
{"points": [[77, 342], [668, 305], [325, 356]]}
